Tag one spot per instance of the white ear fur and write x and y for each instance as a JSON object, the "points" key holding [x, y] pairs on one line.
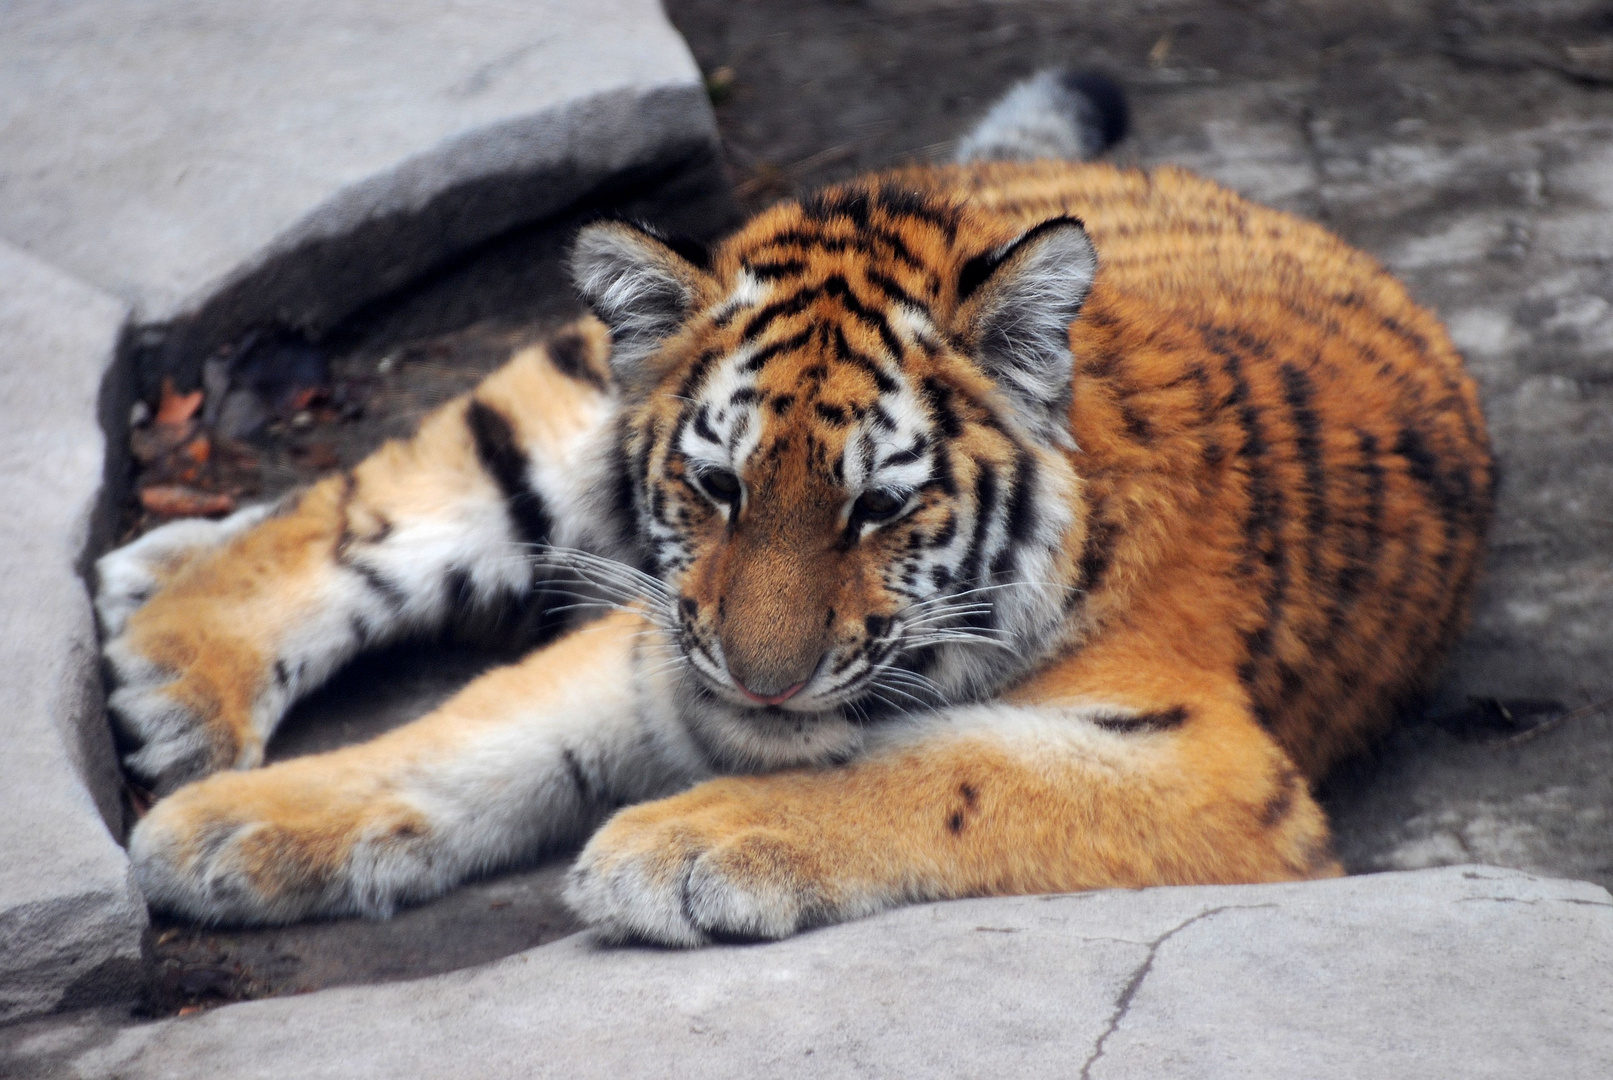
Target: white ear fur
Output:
{"points": [[639, 286], [1019, 303]]}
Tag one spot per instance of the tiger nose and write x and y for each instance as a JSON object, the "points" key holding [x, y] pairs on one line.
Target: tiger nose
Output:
{"points": [[771, 680], [769, 699]]}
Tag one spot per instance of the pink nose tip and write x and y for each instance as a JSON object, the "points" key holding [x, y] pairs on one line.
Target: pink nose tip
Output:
{"points": [[762, 699]]}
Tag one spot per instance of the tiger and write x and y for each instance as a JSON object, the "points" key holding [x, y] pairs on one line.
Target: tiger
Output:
{"points": [[1019, 524]]}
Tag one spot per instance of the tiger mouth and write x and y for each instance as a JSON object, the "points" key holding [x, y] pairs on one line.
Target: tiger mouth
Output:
{"points": [[804, 698]]}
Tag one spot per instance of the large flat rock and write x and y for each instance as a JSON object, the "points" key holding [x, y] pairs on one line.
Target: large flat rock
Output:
{"points": [[70, 918], [218, 164], [1461, 973]]}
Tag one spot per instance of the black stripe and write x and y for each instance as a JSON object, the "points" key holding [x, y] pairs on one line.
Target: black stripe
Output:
{"points": [[696, 377], [1138, 429], [1300, 394], [569, 353], [702, 425], [938, 395], [837, 244], [1264, 546], [831, 414], [789, 305], [501, 456], [941, 475], [772, 270], [623, 514], [1021, 519], [906, 202], [1278, 806], [892, 289], [902, 457], [1097, 551], [586, 791], [974, 559], [767, 352], [1451, 492], [866, 364], [1365, 544], [390, 594], [837, 287]]}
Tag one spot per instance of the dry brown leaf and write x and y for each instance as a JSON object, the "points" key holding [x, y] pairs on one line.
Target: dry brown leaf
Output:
{"points": [[176, 500], [175, 408]]}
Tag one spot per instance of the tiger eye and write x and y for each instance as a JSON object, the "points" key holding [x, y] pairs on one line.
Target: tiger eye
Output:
{"points": [[877, 505], [721, 485]]}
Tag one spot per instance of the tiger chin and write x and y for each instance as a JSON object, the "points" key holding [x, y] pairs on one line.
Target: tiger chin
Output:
{"points": [[1017, 525]]}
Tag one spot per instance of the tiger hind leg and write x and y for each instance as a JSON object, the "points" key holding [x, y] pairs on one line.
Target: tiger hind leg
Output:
{"points": [[213, 629]]}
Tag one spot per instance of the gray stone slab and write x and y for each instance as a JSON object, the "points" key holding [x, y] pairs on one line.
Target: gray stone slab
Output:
{"points": [[70, 918], [1467, 972], [219, 164]]}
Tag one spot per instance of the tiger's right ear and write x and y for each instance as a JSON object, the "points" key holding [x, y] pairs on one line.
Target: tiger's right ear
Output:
{"points": [[641, 285]]}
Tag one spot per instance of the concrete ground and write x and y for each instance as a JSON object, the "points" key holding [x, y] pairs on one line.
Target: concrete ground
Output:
{"points": [[1452, 974], [1468, 146]]}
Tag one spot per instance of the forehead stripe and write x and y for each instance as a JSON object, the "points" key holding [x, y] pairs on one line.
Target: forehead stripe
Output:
{"points": [[836, 286], [773, 269], [892, 289], [859, 242], [846, 354], [767, 352], [789, 306]]}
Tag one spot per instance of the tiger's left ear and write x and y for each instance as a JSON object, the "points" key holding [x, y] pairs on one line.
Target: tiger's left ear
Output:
{"points": [[1017, 304], [642, 285]]}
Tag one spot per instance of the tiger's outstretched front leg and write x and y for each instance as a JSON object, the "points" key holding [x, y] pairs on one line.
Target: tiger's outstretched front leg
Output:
{"points": [[1139, 785], [529, 756], [213, 629]]}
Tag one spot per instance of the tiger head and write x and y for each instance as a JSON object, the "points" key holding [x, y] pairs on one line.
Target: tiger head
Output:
{"points": [[844, 445]]}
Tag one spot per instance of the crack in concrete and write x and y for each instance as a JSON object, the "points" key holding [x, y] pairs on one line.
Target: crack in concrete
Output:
{"points": [[1536, 900], [1127, 995]]}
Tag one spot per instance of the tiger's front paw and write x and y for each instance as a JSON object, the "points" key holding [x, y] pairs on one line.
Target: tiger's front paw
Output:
{"points": [[183, 691], [270, 846], [175, 722], [652, 874]]}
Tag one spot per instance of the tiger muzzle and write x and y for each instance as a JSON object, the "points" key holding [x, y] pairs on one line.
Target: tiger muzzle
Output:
{"points": [[774, 629]]}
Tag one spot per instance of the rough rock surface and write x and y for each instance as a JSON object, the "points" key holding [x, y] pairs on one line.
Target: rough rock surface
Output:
{"points": [[70, 918], [220, 165], [1457, 973]]}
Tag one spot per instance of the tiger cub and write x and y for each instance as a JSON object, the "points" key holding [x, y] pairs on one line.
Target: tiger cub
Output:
{"points": [[1004, 527]]}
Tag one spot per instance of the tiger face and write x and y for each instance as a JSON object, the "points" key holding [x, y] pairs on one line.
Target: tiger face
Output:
{"points": [[845, 449]]}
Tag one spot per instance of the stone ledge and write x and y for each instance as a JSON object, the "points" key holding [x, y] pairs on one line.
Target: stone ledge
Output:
{"points": [[222, 165], [1463, 972], [70, 918]]}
